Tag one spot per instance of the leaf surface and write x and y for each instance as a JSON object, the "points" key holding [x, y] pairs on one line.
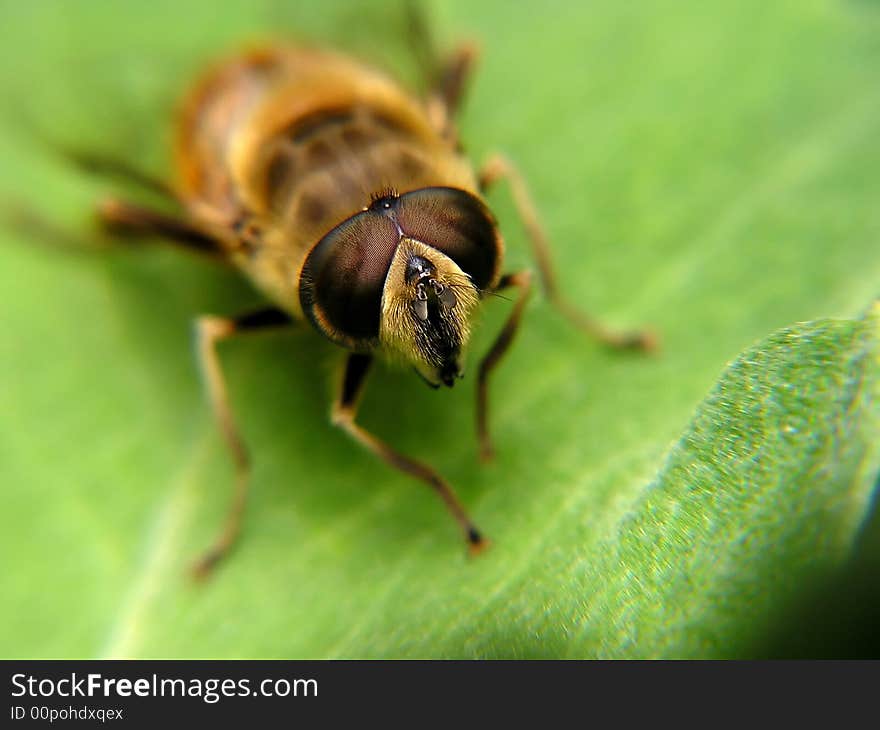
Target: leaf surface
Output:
{"points": [[709, 171]]}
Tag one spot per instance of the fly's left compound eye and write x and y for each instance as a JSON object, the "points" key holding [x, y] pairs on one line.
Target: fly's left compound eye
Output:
{"points": [[343, 277]]}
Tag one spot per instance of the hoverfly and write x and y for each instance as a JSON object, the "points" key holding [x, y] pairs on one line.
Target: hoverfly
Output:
{"points": [[348, 202]]}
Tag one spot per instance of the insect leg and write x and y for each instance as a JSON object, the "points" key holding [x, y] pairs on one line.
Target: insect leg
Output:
{"points": [[446, 75], [105, 166], [522, 280], [497, 168], [452, 75], [32, 225], [343, 415], [122, 218], [211, 330], [117, 217]]}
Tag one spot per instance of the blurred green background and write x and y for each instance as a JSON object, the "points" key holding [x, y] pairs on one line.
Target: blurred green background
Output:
{"points": [[710, 169]]}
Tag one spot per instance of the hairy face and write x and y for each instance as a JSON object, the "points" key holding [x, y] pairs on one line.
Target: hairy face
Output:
{"points": [[427, 306]]}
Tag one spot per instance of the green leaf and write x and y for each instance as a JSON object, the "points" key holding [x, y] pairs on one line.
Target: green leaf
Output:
{"points": [[708, 170], [761, 496]]}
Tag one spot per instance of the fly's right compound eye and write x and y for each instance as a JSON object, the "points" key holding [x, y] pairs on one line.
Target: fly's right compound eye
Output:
{"points": [[456, 223], [343, 277]]}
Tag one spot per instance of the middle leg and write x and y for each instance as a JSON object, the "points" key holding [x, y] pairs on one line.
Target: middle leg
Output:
{"points": [[500, 168], [121, 218]]}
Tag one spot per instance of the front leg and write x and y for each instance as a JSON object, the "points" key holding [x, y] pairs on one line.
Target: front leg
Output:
{"points": [[523, 281], [344, 412], [212, 330]]}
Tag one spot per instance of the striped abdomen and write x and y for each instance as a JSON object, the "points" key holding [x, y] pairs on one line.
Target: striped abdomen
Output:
{"points": [[293, 142]]}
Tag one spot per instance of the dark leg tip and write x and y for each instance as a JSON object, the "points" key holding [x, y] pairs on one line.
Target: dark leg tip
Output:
{"points": [[487, 453], [643, 341], [203, 567], [476, 542]]}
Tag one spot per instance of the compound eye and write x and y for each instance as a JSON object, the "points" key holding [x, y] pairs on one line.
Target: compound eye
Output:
{"points": [[343, 277], [456, 223]]}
